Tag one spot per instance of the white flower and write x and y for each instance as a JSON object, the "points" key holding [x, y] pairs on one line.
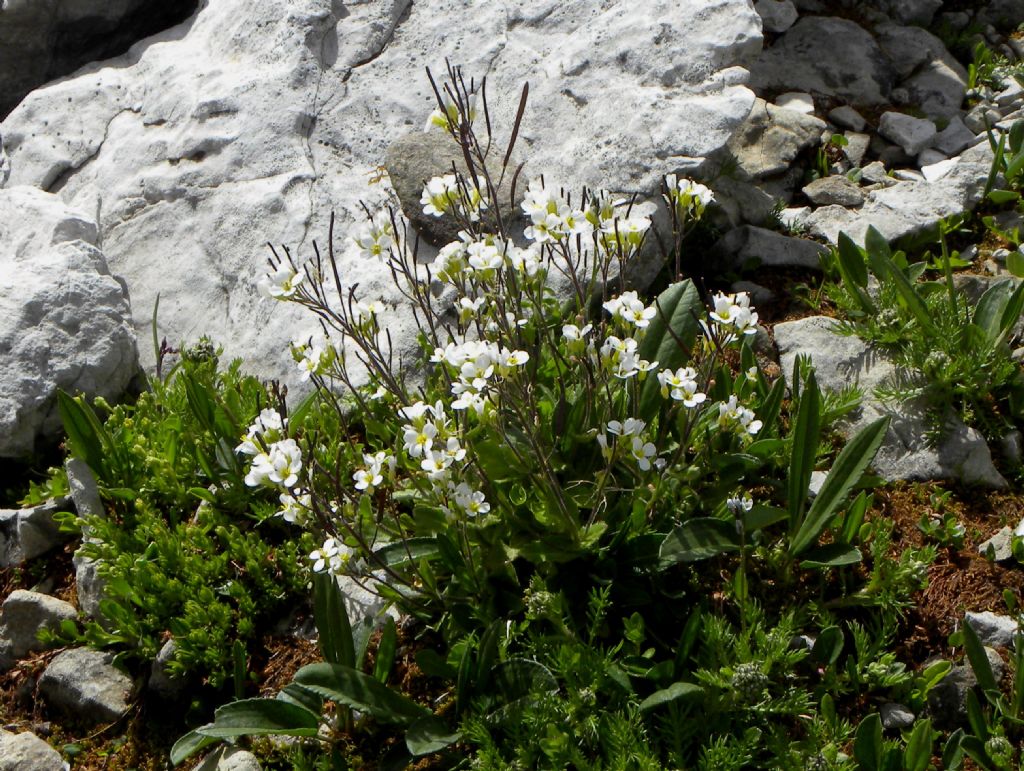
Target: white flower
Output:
{"points": [[269, 427], [450, 263], [419, 440], [681, 385], [688, 196], [732, 414], [375, 237], [372, 474], [440, 195], [332, 557], [642, 453], [527, 261], [733, 312], [279, 465], [737, 504], [472, 502], [282, 283], [295, 509], [468, 308], [484, 258], [632, 427]]}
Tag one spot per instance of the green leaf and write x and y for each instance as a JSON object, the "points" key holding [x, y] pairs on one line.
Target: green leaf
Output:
{"points": [[828, 647], [189, 744], [761, 516], [1013, 310], [669, 337], [405, 551], [518, 677], [84, 430], [867, 745], [770, 407], [988, 314], [386, 650], [979, 661], [975, 747], [673, 693], [854, 271], [332, 622], [806, 433], [919, 747], [293, 693], [353, 688], [261, 717], [854, 517], [851, 464], [428, 735], [952, 753], [831, 555], [698, 539], [1003, 196]]}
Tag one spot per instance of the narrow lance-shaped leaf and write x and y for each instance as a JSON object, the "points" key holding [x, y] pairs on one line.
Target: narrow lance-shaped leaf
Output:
{"points": [[332, 622], [698, 539], [261, 717], [669, 336], [353, 688], [806, 432], [84, 430], [851, 464]]}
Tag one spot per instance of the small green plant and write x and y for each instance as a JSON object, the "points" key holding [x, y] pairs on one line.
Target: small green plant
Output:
{"points": [[184, 549], [953, 356]]}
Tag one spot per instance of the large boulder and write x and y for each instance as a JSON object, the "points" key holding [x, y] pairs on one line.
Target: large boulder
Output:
{"points": [[843, 360], [45, 39], [253, 122], [64, 320]]}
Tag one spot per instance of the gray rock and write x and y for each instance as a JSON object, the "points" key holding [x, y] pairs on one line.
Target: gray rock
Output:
{"points": [[776, 15], [64, 320], [1003, 14], [896, 717], [947, 701], [771, 248], [840, 360], [84, 490], [848, 118], [161, 681], [85, 684], [828, 57], [1011, 94], [938, 89], [236, 759], [910, 133], [955, 138], [817, 480], [759, 295], [792, 218], [771, 138], [993, 630], [1000, 546], [414, 158], [25, 614], [27, 533], [980, 117], [875, 173], [856, 147], [912, 49], [909, 208], [279, 112], [90, 586], [1012, 445], [929, 157], [834, 191], [5, 164], [27, 752]]}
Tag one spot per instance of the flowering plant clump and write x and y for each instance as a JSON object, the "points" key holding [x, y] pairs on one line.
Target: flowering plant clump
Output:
{"points": [[570, 451]]}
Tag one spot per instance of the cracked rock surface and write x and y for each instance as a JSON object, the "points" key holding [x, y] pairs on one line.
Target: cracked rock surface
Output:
{"points": [[251, 123], [64, 320]]}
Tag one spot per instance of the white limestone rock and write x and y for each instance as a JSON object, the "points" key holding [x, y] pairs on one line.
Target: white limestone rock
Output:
{"points": [[910, 133], [993, 629], [840, 360], [25, 614], [834, 190], [955, 138], [25, 751], [64, 320], [829, 57], [84, 683], [796, 100], [253, 122], [30, 532], [770, 248], [911, 207], [44, 40]]}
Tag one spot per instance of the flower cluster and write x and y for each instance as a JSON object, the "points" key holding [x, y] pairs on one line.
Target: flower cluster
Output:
{"points": [[735, 417], [372, 473], [631, 431], [620, 356], [551, 217], [629, 308], [688, 197], [375, 237], [474, 365], [313, 355], [733, 313], [331, 558], [282, 282], [448, 194], [682, 386], [431, 437]]}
